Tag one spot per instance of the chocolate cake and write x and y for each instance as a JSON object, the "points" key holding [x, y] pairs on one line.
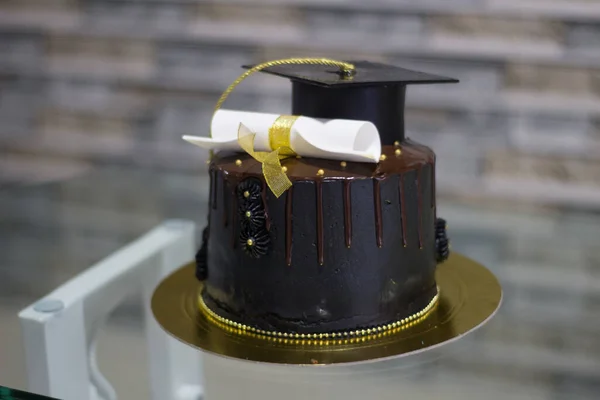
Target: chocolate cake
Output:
{"points": [[349, 246]]}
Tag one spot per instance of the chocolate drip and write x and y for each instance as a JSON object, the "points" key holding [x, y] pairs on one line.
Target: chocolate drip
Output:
{"points": [[347, 214], [413, 157], [288, 225], [319, 185], [433, 199], [225, 212], [263, 193], [419, 207], [213, 188], [402, 208], [378, 223], [234, 206]]}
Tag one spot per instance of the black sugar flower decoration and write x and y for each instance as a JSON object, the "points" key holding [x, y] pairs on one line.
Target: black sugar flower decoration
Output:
{"points": [[252, 216], [201, 257], [254, 235], [442, 245], [255, 242], [249, 191]]}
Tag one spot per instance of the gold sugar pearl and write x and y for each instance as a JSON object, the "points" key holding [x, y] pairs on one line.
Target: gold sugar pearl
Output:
{"points": [[343, 164], [250, 242], [248, 214], [320, 172], [284, 169], [396, 143], [238, 162], [298, 156], [398, 152], [383, 157], [246, 194]]}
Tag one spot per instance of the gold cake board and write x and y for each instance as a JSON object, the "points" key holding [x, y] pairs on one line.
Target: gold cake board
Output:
{"points": [[469, 296]]}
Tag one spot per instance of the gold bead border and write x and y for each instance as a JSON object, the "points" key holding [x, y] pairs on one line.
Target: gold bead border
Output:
{"points": [[345, 337]]}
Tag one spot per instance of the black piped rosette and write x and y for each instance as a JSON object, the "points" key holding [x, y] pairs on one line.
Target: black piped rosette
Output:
{"points": [[249, 190], [252, 215], [254, 237], [442, 245], [255, 242], [201, 257]]}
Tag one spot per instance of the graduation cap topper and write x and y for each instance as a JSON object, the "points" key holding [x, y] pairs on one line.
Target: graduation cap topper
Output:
{"points": [[361, 103], [368, 91]]}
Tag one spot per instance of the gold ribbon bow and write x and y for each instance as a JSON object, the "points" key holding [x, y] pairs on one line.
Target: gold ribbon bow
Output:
{"points": [[279, 142], [279, 132]]}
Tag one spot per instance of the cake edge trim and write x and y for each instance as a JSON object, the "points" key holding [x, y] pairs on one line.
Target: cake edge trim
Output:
{"points": [[321, 338]]}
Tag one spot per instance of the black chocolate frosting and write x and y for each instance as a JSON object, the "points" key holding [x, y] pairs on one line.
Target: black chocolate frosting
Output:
{"points": [[351, 249]]}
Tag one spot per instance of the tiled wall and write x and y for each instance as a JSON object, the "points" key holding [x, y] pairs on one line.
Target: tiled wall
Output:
{"points": [[88, 82]]}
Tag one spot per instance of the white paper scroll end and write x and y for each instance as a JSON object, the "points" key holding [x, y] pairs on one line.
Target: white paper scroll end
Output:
{"points": [[338, 139], [211, 143]]}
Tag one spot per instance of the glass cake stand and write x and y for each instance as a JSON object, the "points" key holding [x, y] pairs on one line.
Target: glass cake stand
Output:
{"points": [[541, 345]]}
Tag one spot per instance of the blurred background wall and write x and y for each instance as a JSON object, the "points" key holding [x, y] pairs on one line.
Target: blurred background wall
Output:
{"points": [[86, 83]]}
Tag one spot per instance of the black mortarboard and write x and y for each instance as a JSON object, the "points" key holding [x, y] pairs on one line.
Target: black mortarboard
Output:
{"points": [[374, 92]]}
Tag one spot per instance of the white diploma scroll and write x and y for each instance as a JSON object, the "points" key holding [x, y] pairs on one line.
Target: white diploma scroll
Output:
{"points": [[336, 139]]}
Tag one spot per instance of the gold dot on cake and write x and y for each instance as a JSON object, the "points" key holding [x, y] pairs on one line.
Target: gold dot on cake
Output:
{"points": [[320, 172], [248, 214], [383, 157], [343, 164], [250, 242], [238, 162], [398, 152], [284, 169], [246, 194], [396, 143]]}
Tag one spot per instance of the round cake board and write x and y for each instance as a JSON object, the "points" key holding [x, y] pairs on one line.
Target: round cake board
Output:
{"points": [[469, 296]]}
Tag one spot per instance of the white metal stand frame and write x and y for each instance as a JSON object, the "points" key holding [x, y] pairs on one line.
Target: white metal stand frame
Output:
{"points": [[59, 331]]}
